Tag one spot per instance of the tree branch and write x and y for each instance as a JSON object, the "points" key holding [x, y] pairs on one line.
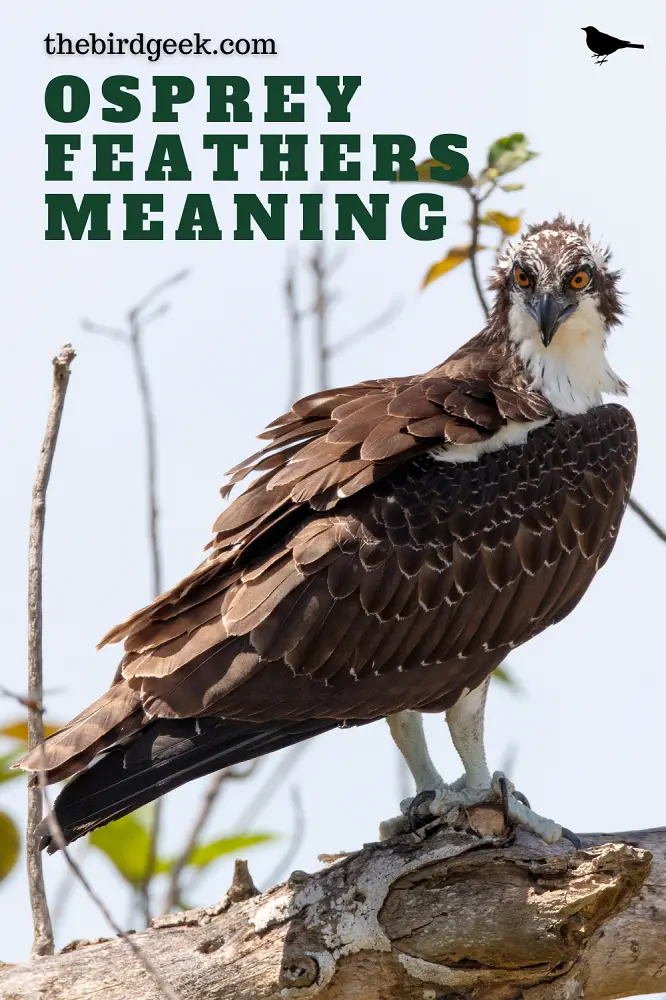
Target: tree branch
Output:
{"points": [[320, 310], [476, 225], [372, 326], [647, 519], [43, 930], [137, 320], [294, 318], [456, 914]]}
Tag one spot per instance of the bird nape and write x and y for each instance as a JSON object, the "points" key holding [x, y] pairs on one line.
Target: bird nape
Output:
{"points": [[402, 537], [602, 46]]}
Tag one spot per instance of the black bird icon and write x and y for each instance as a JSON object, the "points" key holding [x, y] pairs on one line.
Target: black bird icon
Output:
{"points": [[603, 45]]}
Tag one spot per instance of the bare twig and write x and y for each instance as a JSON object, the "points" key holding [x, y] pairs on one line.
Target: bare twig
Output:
{"points": [[41, 918], [158, 289], [268, 789], [137, 320], [59, 841], [320, 310], [25, 702], [372, 326], [209, 799], [647, 519], [475, 225], [295, 841], [294, 317]]}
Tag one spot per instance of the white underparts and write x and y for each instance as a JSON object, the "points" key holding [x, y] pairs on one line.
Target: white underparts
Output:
{"points": [[573, 371]]}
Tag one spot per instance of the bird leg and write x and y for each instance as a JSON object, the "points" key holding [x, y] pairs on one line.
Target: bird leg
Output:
{"points": [[434, 798]]}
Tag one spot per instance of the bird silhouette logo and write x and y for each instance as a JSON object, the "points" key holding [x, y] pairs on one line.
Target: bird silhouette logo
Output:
{"points": [[602, 46]]}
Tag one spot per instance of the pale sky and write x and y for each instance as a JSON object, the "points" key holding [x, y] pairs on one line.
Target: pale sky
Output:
{"points": [[588, 731]]}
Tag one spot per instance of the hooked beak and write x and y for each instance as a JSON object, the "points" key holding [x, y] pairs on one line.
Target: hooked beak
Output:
{"points": [[550, 312]]}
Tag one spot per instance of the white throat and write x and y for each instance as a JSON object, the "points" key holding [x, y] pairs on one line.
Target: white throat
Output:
{"points": [[573, 372]]}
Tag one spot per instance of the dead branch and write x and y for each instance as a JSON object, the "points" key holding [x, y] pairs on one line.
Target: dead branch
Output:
{"points": [[647, 519], [320, 307], [137, 319], [43, 931], [163, 987], [210, 798], [372, 326], [294, 320], [455, 915]]}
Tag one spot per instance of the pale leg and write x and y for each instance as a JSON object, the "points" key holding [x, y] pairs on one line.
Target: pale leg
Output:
{"points": [[407, 731], [477, 785], [465, 722]]}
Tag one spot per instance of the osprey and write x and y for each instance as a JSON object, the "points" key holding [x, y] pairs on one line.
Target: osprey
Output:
{"points": [[403, 536]]}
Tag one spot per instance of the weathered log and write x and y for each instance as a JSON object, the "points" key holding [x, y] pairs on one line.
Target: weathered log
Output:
{"points": [[454, 915]]}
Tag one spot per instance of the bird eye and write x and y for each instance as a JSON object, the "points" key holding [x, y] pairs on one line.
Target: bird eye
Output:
{"points": [[521, 278], [579, 280]]}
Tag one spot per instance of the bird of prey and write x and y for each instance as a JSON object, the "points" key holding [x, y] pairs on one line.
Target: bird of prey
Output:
{"points": [[402, 536], [602, 46]]}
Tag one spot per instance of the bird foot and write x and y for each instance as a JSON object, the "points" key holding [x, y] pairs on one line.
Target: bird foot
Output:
{"points": [[449, 802]]}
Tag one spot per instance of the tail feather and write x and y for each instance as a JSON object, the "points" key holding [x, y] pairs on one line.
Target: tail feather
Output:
{"points": [[633, 45], [114, 716], [168, 753]]}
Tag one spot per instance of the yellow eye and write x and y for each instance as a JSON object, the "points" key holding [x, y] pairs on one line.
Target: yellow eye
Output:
{"points": [[580, 280], [520, 277]]}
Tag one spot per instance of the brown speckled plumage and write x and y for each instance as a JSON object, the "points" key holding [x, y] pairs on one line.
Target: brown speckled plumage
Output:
{"points": [[357, 576]]}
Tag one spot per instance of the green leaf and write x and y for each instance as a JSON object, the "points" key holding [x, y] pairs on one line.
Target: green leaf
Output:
{"points": [[423, 171], [10, 844], [6, 771], [507, 154], [126, 843], [205, 853], [506, 677], [455, 256]]}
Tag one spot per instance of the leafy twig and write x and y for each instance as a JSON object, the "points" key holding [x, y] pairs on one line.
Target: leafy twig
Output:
{"points": [[41, 918]]}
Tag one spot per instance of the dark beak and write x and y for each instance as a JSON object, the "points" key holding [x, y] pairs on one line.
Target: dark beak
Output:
{"points": [[549, 313]]}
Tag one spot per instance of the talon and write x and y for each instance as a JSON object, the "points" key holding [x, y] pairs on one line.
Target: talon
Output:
{"points": [[522, 798], [504, 789], [413, 818], [576, 841]]}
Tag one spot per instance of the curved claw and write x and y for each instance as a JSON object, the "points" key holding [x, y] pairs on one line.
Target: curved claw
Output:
{"points": [[521, 798], [504, 789], [576, 841], [413, 818]]}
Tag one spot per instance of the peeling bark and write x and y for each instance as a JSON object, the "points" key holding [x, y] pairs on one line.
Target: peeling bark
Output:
{"points": [[454, 915]]}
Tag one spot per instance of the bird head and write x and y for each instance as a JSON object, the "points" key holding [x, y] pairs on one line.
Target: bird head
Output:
{"points": [[555, 285]]}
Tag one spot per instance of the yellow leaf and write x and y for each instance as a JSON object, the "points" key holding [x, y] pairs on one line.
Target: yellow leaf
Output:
{"points": [[423, 171], [454, 257], [509, 224], [19, 730], [10, 845]]}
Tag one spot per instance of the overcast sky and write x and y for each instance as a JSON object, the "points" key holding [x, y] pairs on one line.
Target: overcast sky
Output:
{"points": [[588, 731]]}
